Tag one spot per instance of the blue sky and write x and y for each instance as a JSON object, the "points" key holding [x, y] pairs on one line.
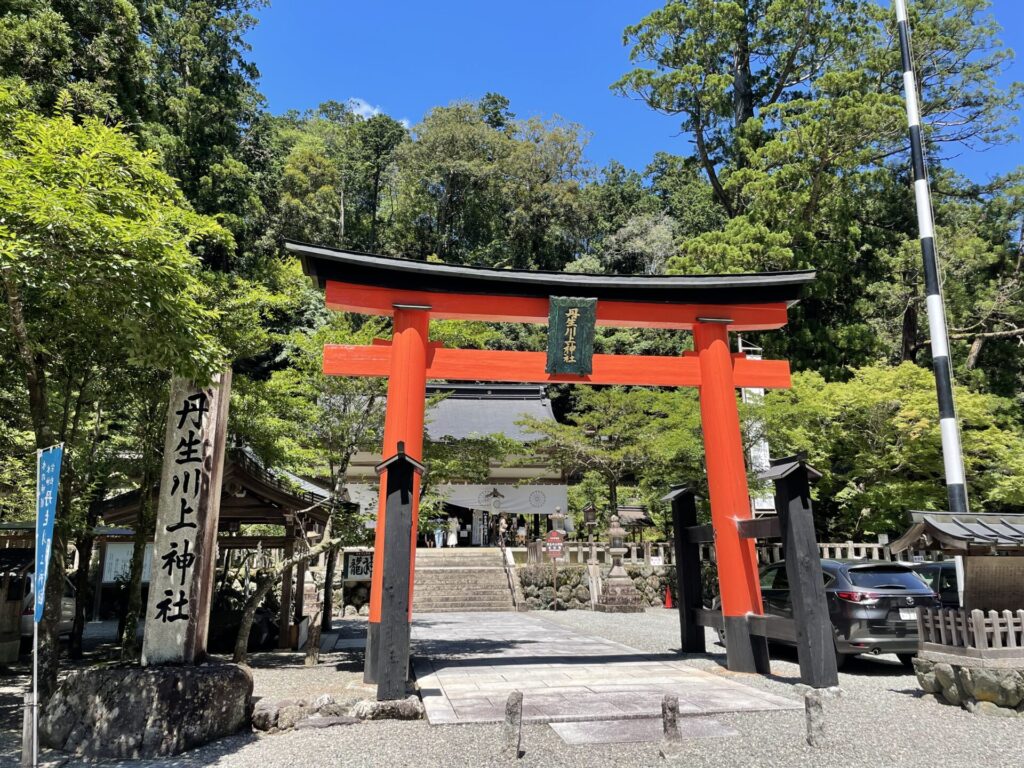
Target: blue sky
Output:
{"points": [[553, 57]]}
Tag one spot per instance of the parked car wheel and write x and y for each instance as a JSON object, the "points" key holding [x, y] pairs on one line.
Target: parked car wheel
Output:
{"points": [[841, 659], [906, 659]]}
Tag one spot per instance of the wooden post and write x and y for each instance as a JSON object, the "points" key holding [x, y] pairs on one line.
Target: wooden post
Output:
{"points": [[815, 643], [97, 591], [554, 583], [188, 511], [300, 592], [688, 574], [393, 649], [403, 422], [284, 628], [730, 498]]}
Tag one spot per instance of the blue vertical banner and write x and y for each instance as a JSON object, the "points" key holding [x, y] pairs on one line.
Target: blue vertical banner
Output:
{"points": [[47, 482]]}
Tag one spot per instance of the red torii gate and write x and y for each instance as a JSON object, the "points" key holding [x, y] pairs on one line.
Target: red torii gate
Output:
{"points": [[710, 306]]}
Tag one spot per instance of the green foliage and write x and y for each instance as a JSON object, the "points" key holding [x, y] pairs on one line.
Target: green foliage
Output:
{"points": [[473, 193], [876, 439], [311, 423], [104, 298], [799, 161], [98, 242]]}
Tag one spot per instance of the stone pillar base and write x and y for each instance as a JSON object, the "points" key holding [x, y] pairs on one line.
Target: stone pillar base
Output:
{"points": [[619, 595], [970, 683], [145, 712]]}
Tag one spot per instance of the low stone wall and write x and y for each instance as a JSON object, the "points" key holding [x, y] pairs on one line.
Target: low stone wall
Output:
{"points": [[981, 689], [146, 712], [651, 581], [539, 592]]}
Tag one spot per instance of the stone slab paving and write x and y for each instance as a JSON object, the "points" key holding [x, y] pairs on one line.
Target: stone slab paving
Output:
{"points": [[466, 664], [634, 731]]}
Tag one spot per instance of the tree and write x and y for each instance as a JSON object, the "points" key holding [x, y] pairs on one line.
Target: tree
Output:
{"points": [[717, 62], [313, 424], [205, 99], [473, 193], [98, 274], [610, 433], [875, 438], [87, 56], [797, 116]]}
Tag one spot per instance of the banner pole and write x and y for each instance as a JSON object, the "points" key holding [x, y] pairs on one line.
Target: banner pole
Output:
{"points": [[35, 694], [35, 629]]}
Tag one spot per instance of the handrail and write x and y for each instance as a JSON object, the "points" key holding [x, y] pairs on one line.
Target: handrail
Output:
{"points": [[509, 576]]}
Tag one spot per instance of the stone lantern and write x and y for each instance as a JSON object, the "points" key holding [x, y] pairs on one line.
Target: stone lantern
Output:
{"points": [[618, 594], [616, 539]]}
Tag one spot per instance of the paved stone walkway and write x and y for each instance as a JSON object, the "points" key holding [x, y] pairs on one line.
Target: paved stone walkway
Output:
{"points": [[466, 664]]}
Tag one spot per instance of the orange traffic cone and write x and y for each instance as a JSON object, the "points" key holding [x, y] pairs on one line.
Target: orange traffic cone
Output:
{"points": [[668, 598]]}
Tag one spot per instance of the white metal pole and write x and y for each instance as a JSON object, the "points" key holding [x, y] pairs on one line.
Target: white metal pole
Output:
{"points": [[952, 454]]}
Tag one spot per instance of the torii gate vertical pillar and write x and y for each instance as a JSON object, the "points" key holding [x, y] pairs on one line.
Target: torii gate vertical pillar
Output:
{"points": [[738, 579], [403, 422]]}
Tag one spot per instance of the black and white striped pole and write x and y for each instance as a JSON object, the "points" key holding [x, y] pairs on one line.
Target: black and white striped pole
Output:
{"points": [[951, 452]]}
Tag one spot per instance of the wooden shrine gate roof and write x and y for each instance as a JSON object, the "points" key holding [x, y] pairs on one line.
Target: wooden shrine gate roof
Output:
{"points": [[351, 267]]}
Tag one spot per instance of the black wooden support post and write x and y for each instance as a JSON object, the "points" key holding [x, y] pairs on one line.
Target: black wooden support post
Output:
{"points": [[814, 635], [392, 652], [689, 586]]}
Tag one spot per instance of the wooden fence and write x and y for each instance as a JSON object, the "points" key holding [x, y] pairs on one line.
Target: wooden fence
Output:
{"points": [[971, 633]]}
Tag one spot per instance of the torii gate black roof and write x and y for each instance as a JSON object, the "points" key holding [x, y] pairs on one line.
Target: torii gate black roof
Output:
{"points": [[324, 264]]}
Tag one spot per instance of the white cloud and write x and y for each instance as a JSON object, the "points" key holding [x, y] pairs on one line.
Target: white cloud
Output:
{"points": [[363, 108]]}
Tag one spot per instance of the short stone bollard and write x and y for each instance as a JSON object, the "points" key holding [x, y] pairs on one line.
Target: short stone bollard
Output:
{"points": [[27, 744], [672, 740], [512, 729], [814, 712]]}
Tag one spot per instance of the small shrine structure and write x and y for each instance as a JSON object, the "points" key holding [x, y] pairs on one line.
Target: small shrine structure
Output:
{"points": [[974, 655]]}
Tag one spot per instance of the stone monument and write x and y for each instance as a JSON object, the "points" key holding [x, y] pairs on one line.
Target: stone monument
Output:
{"points": [[184, 546], [174, 701]]}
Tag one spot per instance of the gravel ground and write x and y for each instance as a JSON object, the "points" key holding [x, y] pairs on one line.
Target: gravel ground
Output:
{"points": [[883, 720]]}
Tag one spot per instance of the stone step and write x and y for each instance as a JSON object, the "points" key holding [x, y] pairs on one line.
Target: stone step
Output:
{"points": [[461, 592], [452, 607], [467, 609], [449, 580], [437, 596], [449, 605], [497, 578]]}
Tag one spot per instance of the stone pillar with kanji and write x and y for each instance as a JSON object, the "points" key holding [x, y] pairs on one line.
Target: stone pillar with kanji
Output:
{"points": [[185, 541]]}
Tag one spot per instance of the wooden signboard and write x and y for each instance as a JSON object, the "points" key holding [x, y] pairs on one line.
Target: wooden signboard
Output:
{"points": [[993, 583], [571, 335], [185, 541]]}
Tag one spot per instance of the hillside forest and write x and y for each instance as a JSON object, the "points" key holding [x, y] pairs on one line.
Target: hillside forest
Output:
{"points": [[146, 191]]}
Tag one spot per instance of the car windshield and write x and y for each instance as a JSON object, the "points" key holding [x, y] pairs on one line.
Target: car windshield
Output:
{"points": [[886, 577]]}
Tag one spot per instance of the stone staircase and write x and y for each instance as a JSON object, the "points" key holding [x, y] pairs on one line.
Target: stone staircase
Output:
{"points": [[450, 580]]}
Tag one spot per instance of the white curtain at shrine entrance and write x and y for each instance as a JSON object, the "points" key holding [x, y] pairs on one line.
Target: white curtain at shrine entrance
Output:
{"points": [[495, 498]]}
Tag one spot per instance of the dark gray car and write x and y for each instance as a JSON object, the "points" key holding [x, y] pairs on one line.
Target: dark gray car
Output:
{"points": [[872, 604]]}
